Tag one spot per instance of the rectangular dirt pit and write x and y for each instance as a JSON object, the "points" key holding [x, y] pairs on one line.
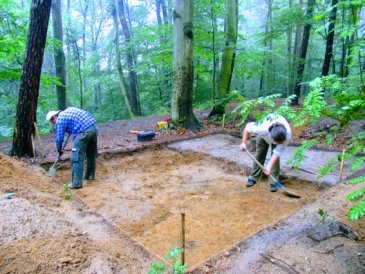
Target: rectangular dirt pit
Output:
{"points": [[144, 193]]}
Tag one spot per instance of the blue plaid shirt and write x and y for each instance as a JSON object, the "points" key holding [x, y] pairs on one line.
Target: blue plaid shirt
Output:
{"points": [[73, 121]]}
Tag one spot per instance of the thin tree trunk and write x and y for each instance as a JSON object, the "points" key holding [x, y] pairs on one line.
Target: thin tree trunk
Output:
{"points": [[132, 77], [123, 86], [270, 74], [303, 52], [296, 55], [228, 56], [289, 50], [215, 55], [59, 55], [95, 38], [29, 81], [265, 71], [329, 43], [354, 19]]}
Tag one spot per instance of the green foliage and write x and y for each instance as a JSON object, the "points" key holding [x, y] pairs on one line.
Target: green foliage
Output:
{"points": [[329, 167], [358, 210], [298, 156], [66, 193], [247, 107], [157, 268], [173, 257], [323, 214]]}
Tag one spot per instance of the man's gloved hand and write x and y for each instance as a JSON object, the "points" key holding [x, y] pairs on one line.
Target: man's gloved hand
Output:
{"points": [[60, 153]]}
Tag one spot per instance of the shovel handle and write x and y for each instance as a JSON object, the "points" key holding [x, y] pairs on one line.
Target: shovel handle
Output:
{"points": [[262, 167], [277, 183]]}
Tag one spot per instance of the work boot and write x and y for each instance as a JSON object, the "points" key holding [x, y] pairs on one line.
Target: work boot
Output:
{"points": [[250, 182], [273, 188], [72, 186], [90, 178]]}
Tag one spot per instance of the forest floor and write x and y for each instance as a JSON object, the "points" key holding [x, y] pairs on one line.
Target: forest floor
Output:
{"points": [[130, 215]]}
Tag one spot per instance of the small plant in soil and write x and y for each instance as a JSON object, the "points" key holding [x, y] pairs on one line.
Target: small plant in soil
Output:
{"points": [[65, 192], [323, 214], [173, 256]]}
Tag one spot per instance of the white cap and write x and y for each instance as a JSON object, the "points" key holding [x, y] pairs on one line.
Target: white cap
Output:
{"points": [[50, 114]]}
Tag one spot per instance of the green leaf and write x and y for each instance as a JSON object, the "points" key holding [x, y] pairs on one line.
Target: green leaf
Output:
{"points": [[157, 268], [357, 163], [357, 180], [357, 211], [356, 195]]}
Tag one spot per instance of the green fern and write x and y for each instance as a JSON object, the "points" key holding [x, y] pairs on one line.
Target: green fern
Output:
{"points": [[357, 163], [314, 104], [356, 195], [298, 156], [329, 167], [358, 210], [357, 180]]}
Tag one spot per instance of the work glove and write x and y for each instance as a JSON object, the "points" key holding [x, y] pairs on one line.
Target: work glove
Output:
{"points": [[60, 153]]}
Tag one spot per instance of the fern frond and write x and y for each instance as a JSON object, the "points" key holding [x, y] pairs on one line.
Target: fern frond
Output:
{"points": [[358, 210], [357, 180], [356, 195]]}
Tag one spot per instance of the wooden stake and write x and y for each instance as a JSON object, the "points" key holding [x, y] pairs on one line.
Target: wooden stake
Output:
{"points": [[224, 120], [40, 144], [342, 163], [183, 237], [31, 137]]}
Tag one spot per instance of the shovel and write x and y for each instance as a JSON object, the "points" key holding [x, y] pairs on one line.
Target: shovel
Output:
{"points": [[52, 170], [277, 183]]}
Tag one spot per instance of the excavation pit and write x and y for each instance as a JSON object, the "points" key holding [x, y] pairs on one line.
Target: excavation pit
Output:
{"points": [[143, 194]]}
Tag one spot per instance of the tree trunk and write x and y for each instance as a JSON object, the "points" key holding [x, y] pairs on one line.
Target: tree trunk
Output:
{"points": [[214, 51], [228, 56], [132, 77], [29, 82], [164, 12], [81, 90], [59, 55], [266, 61], [289, 50], [158, 12], [95, 34], [303, 52], [296, 55], [182, 92], [329, 43], [123, 86], [354, 20]]}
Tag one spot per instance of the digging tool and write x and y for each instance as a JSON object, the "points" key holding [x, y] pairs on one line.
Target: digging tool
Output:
{"points": [[52, 170], [277, 183]]}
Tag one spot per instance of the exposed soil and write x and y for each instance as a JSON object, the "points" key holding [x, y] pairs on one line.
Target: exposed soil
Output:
{"points": [[129, 216]]}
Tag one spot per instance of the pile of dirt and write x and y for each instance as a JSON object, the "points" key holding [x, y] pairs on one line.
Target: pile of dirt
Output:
{"points": [[43, 233]]}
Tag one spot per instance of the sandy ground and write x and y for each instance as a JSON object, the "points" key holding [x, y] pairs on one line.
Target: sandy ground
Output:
{"points": [[130, 215], [145, 193]]}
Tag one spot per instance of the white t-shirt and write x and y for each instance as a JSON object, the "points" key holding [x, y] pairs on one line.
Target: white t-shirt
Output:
{"points": [[262, 131]]}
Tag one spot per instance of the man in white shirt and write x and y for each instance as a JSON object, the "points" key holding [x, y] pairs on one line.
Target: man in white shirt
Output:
{"points": [[273, 131]]}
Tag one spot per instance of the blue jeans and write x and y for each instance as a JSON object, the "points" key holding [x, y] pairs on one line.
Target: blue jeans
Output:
{"points": [[85, 144]]}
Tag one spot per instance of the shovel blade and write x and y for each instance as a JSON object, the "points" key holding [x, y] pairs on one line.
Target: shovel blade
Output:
{"points": [[290, 194], [52, 171], [285, 191]]}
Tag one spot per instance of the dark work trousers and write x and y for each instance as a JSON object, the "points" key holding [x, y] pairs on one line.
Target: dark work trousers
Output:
{"points": [[261, 150], [85, 144]]}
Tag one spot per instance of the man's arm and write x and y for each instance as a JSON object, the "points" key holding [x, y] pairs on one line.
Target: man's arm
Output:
{"points": [[245, 137], [267, 169]]}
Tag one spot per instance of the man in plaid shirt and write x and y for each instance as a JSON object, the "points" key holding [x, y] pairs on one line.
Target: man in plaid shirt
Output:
{"points": [[81, 125]]}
